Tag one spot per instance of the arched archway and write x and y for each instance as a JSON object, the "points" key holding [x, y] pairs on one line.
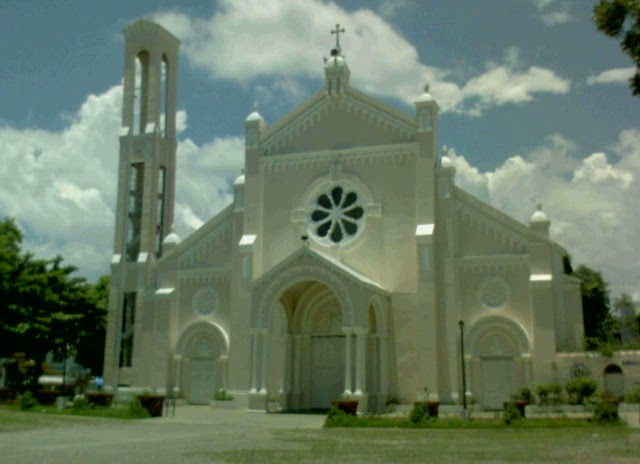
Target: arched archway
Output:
{"points": [[200, 349], [614, 380], [299, 357], [499, 349]]}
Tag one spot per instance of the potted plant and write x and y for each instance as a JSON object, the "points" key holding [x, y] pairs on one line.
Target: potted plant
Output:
{"points": [[347, 405], [432, 406], [273, 403], [152, 402], [222, 399]]}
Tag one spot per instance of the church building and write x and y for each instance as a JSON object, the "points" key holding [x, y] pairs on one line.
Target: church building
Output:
{"points": [[348, 264]]}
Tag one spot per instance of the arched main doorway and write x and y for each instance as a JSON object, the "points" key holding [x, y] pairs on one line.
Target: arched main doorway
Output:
{"points": [[305, 343], [200, 349]]}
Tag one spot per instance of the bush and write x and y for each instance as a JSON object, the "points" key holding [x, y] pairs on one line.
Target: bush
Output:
{"points": [[580, 389], [136, 409], [27, 401], [99, 398], [419, 413], [633, 397], [81, 404], [511, 413], [338, 418], [524, 395], [548, 393], [605, 411], [223, 395]]}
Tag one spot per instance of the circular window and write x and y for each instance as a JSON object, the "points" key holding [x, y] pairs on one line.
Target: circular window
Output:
{"points": [[205, 301], [335, 214], [493, 292]]}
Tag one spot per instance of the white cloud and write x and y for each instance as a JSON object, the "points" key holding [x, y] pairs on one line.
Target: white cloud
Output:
{"points": [[612, 76], [245, 40], [61, 186], [591, 201], [389, 8], [553, 12]]}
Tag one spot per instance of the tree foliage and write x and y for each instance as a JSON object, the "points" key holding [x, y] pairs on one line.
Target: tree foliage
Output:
{"points": [[595, 304], [43, 306], [621, 19]]}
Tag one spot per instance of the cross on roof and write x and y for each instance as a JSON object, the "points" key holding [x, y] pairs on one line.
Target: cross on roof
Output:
{"points": [[337, 32]]}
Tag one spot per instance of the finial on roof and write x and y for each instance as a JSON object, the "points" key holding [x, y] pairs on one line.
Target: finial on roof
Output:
{"points": [[539, 206], [426, 88], [254, 107]]}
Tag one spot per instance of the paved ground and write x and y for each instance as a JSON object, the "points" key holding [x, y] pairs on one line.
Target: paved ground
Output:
{"points": [[160, 440], [199, 434]]}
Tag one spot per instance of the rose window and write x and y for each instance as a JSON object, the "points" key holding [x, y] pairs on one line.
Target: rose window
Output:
{"points": [[493, 292], [336, 215], [205, 301]]}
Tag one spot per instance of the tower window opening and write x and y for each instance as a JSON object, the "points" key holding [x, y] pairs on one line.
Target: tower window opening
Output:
{"points": [[141, 93], [134, 219], [127, 329], [164, 122], [160, 212]]}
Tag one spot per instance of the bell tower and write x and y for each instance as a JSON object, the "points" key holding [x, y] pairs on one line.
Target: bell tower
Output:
{"points": [[146, 185]]}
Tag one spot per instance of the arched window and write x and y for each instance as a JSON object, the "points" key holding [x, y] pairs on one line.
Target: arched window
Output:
{"points": [[612, 369], [141, 92]]}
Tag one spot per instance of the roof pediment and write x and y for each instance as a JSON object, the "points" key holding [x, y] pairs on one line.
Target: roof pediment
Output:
{"points": [[329, 122], [306, 256]]}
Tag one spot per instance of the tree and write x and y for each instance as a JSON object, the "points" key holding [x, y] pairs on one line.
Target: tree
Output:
{"points": [[43, 306], [628, 322], [621, 19], [92, 337], [595, 305]]}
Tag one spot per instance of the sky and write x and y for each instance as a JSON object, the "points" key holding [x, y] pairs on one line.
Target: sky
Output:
{"points": [[535, 106]]}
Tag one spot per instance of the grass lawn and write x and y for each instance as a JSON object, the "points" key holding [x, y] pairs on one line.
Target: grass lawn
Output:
{"points": [[595, 445], [11, 416]]}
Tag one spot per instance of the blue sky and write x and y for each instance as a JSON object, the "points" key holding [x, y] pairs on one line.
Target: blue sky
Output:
{"points": [[535, 107]]}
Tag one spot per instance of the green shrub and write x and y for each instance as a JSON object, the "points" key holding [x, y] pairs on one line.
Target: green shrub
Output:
{"points": [[27, 401], [223, 395], [511, 413], [524, 394], [99, 398], [633, 397], [419, 413], [338, 418], [136, 409], [549, 393], [605, 411], [580, 389], [81, 404]]}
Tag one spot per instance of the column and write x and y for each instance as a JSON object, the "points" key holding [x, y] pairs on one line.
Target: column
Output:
{"points": [[361, 360], [177, 359], [288, 350], [382, 364], [347, 360], [254, 363], [297, 373], [263, 367]]}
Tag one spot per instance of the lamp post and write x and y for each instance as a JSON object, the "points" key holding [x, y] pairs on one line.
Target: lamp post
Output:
{"points": [[464, 375]]}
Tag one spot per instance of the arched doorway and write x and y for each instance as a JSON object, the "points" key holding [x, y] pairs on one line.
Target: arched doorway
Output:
{"points": [[497, 347], [305, 345], [614, 381], [201, 348]]}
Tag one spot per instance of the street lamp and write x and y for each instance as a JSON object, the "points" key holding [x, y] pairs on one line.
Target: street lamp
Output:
{"points": [[464, 376]]}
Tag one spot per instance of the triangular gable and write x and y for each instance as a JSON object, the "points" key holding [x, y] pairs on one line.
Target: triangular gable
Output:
{"points": [[326, 122], [321, 260]]}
